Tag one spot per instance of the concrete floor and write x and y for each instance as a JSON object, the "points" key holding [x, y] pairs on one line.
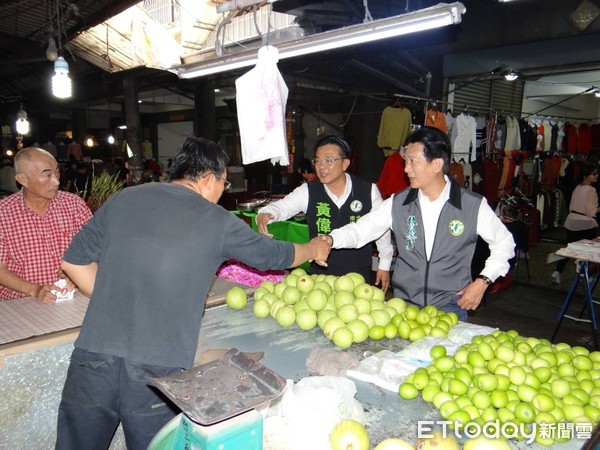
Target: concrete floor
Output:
{"points": [[533, 311]]}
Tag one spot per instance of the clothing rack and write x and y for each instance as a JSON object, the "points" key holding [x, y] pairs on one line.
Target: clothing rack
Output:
{"points": [[466, 107]]}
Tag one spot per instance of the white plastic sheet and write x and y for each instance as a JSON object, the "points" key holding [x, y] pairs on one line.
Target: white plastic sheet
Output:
{"points": [[261, 97], [388, 370], [307, 412]]}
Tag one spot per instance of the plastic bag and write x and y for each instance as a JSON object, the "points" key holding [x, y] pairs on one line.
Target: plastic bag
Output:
{"points": [[307, 412], [261, 96], [385, 369], [463, 332]]}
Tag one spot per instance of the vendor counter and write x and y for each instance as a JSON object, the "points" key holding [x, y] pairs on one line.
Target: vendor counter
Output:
{"points": [[36, 341], [31, 382]]}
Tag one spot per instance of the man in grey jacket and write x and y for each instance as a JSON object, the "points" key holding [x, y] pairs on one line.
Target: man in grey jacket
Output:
{"points": [[436, 223]]}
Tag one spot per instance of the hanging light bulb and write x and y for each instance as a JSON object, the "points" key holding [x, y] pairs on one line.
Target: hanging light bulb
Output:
{"points": [[51, 51], [89, 142], [22, 124], [111, 139], [61, 83], [511, 75]]}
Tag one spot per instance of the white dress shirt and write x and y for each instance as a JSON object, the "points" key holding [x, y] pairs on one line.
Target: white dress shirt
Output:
{"points": [[489, 227], [297, 201]]}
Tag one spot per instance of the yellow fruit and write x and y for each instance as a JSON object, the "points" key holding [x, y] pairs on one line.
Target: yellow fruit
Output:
{"points": [[236, 298], [437, 442], [394, 444], [349, 434], [342, 337], [484, 443]]}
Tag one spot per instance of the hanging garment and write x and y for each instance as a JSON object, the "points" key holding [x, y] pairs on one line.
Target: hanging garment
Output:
{"points": [[477, 184], [479, 131], [553, 136], [560, 145], [456, 172], [490, 136], [491, 177], [393, 178], [547, 135], [539, 138], [572, 137], [595, 132], [436, 119], [450, 121], [585, 138], [464, 142], [500, 135], [468, 172], [394, 127], [261, 96], [513, 136], [508, 169]]}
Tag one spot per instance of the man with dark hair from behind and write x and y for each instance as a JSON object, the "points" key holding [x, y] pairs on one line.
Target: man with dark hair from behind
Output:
{"points": [[148, 271]]}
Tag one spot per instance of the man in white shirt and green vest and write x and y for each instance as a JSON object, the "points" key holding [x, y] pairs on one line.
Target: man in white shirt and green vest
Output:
{"points": [[334, 200]]}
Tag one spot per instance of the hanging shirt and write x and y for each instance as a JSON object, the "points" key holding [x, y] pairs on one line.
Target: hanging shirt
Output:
{"points": [[393, 177], [456, 172], [450, 121], [513, 136], [394, 128], [261, 96], [465, 136], [585, 138], [436, 119]]}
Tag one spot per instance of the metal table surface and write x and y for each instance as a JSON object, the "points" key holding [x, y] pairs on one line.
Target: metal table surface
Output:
{"points": [[286, 350]]}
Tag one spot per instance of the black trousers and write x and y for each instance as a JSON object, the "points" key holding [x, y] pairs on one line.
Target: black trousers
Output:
{"points": [[101, 391]]}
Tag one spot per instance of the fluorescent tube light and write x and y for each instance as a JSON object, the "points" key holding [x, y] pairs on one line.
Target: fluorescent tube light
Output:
{"points": [[424, 19]]}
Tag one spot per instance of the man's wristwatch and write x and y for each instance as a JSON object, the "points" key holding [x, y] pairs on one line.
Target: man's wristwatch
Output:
{"points": [[485, 279]]}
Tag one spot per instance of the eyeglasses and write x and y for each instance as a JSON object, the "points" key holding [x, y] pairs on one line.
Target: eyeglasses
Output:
{"points": [[325, 161], [226, 184]]}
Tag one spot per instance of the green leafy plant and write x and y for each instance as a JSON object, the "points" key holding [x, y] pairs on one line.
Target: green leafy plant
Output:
{"points": [[103, 186]]}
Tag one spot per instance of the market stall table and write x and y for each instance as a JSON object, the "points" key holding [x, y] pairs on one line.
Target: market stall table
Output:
{"points": [[286, 352], [37, 341], [584, 253]]}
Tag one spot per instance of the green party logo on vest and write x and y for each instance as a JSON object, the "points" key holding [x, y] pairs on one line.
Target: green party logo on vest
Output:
{"points": [[456, 228], [356, 206]]}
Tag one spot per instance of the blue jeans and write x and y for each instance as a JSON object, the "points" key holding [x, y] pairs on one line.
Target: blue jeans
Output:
{"points": [[452, 306], [102, 390]]}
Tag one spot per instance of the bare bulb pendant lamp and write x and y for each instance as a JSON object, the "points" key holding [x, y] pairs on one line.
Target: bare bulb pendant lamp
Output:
{"points": [[51, 51], [22, 124], [61, 83]]}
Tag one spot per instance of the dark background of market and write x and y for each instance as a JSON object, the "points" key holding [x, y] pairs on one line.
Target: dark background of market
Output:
{"points": [[339, 91]]}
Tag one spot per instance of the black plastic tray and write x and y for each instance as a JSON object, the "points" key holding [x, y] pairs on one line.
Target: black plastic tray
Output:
{"points": [[224, 388]]}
